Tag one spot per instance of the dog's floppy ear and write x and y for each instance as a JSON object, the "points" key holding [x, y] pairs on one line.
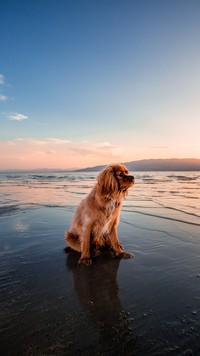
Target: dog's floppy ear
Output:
{"points": [[106, 182]]}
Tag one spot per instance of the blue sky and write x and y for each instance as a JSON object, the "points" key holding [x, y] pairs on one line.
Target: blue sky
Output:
{"points": [[93, 82]]}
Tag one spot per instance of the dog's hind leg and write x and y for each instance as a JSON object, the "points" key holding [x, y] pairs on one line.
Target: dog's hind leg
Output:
{"points": [[73, 241]]}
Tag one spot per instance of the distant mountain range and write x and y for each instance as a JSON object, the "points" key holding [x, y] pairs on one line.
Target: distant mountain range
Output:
{"points": [[173, 164]]}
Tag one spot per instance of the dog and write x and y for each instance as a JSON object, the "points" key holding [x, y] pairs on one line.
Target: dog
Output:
{"points": [[96, 218]]}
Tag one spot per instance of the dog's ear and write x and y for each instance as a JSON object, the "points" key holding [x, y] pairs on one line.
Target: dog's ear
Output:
{"points": [[106, 182]]}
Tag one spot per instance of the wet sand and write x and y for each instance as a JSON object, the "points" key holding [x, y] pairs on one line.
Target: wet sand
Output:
{"points": [[148, 305]]}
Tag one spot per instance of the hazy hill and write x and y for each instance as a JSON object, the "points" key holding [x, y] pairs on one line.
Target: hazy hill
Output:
{"points": [[173, 164]]}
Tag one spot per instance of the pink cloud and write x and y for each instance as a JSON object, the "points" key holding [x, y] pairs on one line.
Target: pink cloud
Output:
{"points": [[28, 153]]}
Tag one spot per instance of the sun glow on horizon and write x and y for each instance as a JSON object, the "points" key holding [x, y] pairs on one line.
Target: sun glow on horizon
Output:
{"points": [[54, 153]]}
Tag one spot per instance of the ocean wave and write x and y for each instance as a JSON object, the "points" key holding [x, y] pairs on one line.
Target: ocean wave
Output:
{"points": [[165, 232], [184, 177], [13, 176], [38, 176], [155, 180], [54, 176], [142, 227], [7, 210], [163, 217], [12, 209], [183, 211], [181, 191], [57, 177]]}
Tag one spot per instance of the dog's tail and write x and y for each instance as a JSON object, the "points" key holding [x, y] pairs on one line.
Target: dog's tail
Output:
{"points": [[73, 241]]}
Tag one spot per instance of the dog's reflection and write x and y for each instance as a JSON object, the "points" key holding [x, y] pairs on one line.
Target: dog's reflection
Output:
{"points": [[98, 293]]}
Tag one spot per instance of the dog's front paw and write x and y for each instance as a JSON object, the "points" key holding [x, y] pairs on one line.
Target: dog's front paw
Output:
{"points": [[96, 253], [86, 261], [125, 255]]}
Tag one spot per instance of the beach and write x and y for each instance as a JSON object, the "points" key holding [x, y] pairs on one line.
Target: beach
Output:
{"points": [[147, 305]]}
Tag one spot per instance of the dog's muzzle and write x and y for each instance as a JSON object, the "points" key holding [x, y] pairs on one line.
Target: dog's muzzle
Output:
{"points": [[130, 179]]}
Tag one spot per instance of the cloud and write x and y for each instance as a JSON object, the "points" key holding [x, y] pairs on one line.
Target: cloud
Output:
{"points": [[50, 152], [28, 153], [17, 117], [43, 141], [2, 79], [10, 116], [105, 146], [80, 151], [57, 140], [105, 150], [3, 97], [159, 147], [30, 141]]}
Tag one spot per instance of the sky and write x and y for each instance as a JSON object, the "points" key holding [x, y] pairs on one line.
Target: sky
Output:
{"points": [[89, 82]]}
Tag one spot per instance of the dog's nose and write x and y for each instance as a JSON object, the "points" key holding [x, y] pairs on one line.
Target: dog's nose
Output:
{"points": [[131, 178]]}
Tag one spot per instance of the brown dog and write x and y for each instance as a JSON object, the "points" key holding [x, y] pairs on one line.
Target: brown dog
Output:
{"points": [[97, 216]]}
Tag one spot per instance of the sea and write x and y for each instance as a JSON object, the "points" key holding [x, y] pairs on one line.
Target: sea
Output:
{"points": [[147, 305], [167, 195]]}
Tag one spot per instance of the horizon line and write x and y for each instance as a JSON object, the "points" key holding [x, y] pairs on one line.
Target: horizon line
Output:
{"points": [[99, 165]]}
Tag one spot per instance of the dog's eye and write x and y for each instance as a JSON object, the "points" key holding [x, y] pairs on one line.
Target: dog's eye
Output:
{"points": [[121, 174]]}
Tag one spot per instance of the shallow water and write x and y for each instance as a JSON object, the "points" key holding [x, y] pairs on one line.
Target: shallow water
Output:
{"points": [[148, 305]]}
